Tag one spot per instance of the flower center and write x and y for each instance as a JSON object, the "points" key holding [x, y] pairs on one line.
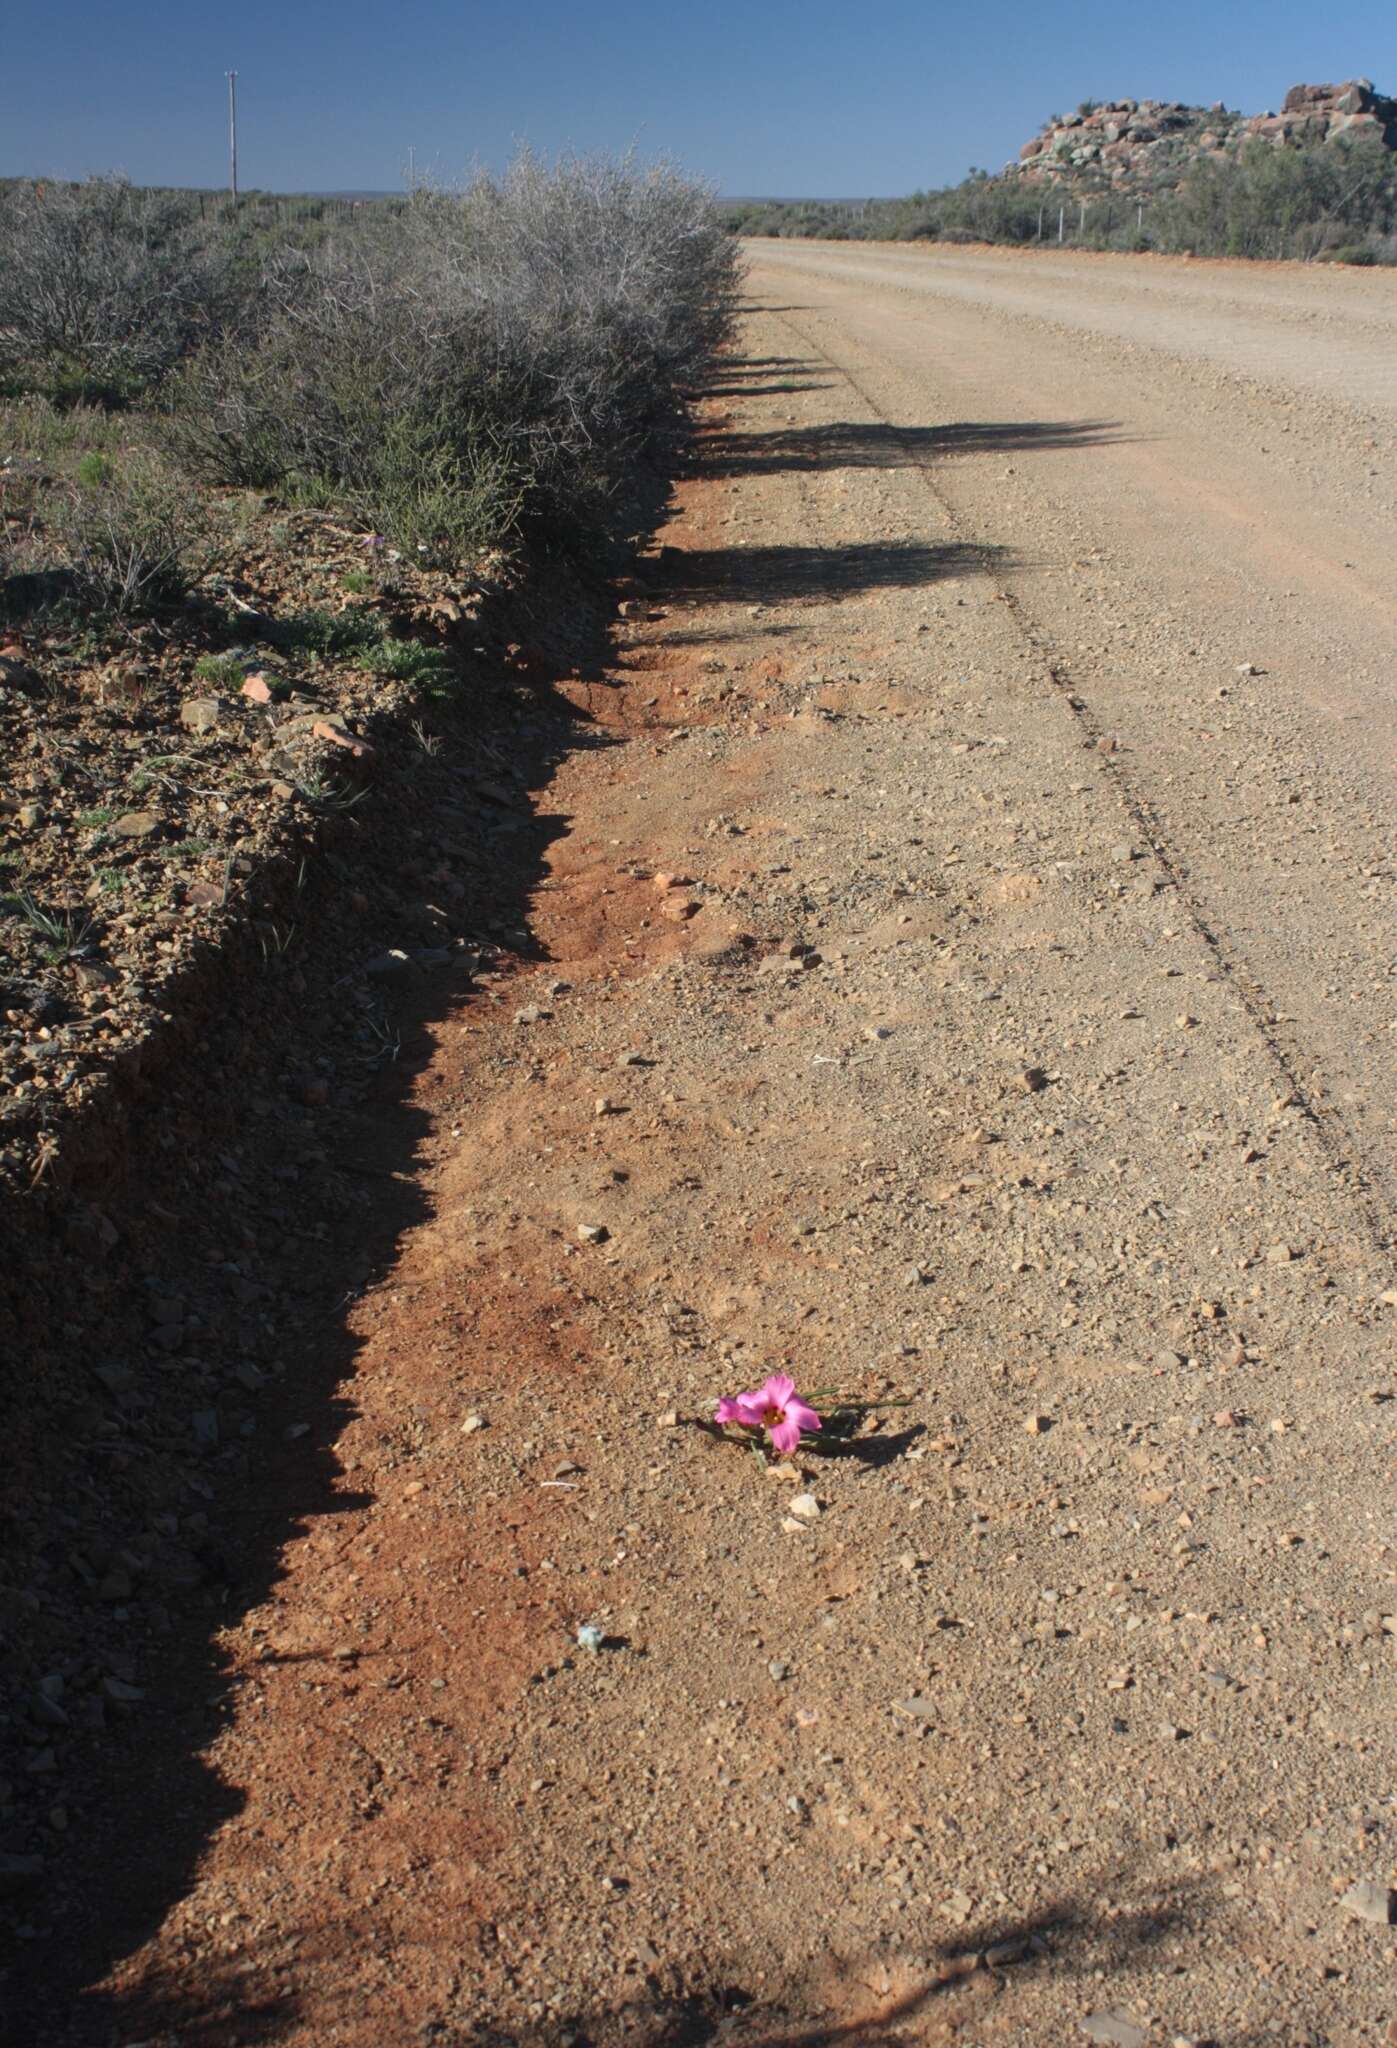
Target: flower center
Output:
{"points": [[772, 1416]]}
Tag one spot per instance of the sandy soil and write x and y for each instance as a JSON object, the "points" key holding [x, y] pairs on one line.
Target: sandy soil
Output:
{"points": [[956, 978]]}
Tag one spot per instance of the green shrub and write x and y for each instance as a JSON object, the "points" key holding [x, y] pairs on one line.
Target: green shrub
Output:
{"points": [[136, 540], [439, 490], [104, 285], [473, 361], [1257, 200]]}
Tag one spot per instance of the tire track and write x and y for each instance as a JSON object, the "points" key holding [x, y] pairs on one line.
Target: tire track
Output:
{"points": [[1364, 1179]]}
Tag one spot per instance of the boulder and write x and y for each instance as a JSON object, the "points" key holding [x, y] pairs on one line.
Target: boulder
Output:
{"points": [[1356, 128]]}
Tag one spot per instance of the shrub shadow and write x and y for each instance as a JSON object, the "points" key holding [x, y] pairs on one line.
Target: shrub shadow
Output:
{"points": [[866, 1999], [774, 575], [210, 1182], [875, 444]]}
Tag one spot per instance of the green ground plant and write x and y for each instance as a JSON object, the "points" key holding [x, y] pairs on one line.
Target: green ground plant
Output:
{"points": [[409, 661], [63, 931], [224, 671], [133, 536]]}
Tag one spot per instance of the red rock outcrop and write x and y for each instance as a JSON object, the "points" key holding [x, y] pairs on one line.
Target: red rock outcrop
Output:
{"points": [[1327, 113], [1148, 145]]}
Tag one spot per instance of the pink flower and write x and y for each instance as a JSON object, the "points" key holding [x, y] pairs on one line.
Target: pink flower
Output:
{"points": [[777, 1408], [733, 1408]]}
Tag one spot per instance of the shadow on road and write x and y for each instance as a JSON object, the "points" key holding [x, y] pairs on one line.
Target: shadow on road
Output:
{"points": [[790, 389], [154, 1481], [864, 1999], [775, 575], [873, 444]]}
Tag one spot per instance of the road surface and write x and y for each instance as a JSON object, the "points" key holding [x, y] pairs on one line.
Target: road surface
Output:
{"points": [[1191, 470]]}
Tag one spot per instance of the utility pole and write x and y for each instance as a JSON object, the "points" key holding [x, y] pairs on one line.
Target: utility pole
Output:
{"points": [[1082, 223], [411, 168], [1061, 219], [232, 77]]}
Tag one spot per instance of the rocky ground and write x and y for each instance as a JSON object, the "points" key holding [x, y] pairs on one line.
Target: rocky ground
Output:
{"points": [[168, 783], [913, 973]]}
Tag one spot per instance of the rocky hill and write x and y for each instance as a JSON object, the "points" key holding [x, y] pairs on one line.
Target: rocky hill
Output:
{"points": [[1148, 145]]}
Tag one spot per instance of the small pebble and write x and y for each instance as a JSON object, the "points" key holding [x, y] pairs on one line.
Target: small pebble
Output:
{"points": [[1117, 2029], [1371, 1902]]}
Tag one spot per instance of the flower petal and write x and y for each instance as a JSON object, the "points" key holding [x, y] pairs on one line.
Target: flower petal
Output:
{"points": [[785, 1436], [802, 1414], [729, 1409], [779, 1389]]}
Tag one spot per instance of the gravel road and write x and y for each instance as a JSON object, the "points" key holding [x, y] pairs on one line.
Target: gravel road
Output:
{"points": [[962, 971], [1192, 472]]}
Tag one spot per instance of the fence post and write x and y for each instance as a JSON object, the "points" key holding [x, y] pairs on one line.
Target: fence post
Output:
{"points": [[1061, 218], [233, 135]]}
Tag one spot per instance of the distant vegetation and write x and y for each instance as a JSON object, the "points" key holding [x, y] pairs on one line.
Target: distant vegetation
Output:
{"points": [[449, 370], [1328, 203]]}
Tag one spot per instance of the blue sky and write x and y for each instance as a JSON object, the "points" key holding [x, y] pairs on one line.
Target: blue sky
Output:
{"points": [[821, 97]]}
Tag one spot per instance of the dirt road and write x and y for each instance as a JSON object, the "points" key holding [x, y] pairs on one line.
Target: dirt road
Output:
{"points": [[958, 979], [1145, 439]]}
